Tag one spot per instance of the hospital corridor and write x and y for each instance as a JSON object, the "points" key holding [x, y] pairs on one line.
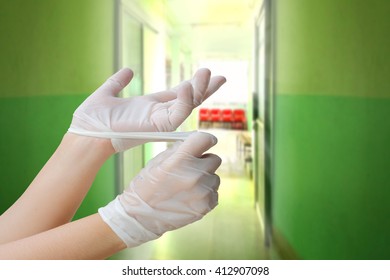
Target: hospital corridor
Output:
{"points": [[235, 217], [301, 122]]}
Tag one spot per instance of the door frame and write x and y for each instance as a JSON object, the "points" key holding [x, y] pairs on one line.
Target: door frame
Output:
{"points": [[264, 113]]}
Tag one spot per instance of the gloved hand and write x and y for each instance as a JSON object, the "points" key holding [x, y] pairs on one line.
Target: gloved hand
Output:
{"points": [[176, 188], [164, 111]]}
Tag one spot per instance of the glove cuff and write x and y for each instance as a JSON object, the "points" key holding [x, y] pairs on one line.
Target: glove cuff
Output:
{"points": [[125, 227]]}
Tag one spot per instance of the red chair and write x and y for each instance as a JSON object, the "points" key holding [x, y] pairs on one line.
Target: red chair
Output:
{"points": [[215, 115], [239, 119], [204, 117], [227, 115], [227, 118]]}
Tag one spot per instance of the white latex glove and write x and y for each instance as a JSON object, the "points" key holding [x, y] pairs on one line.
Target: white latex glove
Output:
{"points": [[104, 111], [176, 188]]}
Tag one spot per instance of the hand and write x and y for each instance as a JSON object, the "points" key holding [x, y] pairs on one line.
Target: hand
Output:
{"points": [[104, 111], [176, 188]]}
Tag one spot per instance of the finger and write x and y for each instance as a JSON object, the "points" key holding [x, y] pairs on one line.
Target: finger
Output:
{"points": [[164, 96], [213, 202], [113, 85], [210, 162], [197, 143], [210, 182], [182, 107], [204, 196], [200, 83], [215, 83], [161, 157], [169, 95]]}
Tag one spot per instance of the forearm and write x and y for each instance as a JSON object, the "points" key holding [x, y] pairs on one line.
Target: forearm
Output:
{"points": [[87, 238], [58, 190]]}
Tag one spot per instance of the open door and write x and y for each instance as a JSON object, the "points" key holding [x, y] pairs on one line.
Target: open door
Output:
{"points": [[141, 48], [129, 54]]}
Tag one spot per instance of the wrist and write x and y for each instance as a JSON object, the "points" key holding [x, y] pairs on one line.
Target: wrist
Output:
{"points": [[111, 238], [99, 146], [127, 228]]}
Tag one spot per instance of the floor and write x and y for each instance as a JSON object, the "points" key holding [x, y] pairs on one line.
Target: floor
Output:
{"points": [[231, 231]]}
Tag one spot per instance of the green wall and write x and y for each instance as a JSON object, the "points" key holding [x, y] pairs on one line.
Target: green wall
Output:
{"points": [[332, 180], [53, 54]]}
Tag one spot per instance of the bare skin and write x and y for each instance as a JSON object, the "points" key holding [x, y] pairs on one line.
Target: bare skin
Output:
{"points": [[38, 225], [55, 194]]}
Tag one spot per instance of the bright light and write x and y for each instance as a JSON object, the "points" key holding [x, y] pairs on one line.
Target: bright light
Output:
{"points": [[235, 91]]}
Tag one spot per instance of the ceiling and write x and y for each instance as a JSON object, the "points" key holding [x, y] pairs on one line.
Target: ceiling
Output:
{"points": [[207, 29], [209, 12], [213, 28]]}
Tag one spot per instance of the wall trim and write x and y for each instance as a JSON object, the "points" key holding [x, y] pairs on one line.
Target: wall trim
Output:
{"points": [[281, 247]]}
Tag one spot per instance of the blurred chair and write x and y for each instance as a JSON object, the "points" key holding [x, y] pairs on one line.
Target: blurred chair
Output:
{"points": [[204, 118], [216, 117], [239, 119], [227, 118]]}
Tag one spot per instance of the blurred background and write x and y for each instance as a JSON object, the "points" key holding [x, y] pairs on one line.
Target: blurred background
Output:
{"points": [[302, 121]]}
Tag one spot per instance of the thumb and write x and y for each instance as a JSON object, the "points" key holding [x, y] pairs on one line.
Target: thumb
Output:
{"points": [[113, 85], [197, 143], [182, 107]]}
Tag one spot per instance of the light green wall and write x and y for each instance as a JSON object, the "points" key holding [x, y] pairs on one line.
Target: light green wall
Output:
{"points": [[331, 185], [53, 54], [333, 47], [55, 47]]}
